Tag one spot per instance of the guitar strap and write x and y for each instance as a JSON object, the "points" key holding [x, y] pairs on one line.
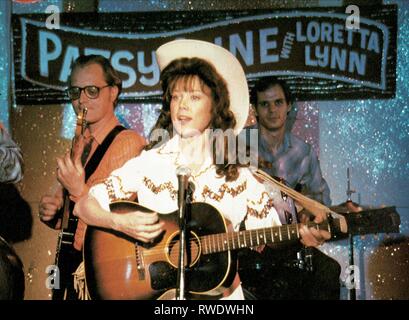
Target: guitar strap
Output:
{"points": [[315, 207], [100, 151]]}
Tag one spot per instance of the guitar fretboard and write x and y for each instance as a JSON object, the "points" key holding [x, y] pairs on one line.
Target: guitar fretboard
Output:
{"points": [[252, 238]]}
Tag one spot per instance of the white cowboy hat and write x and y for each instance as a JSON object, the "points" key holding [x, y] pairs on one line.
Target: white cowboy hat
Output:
{"points": [[225, 63]]}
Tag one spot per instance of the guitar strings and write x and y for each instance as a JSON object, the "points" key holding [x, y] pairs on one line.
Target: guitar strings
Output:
{"points": [[228, 239]]}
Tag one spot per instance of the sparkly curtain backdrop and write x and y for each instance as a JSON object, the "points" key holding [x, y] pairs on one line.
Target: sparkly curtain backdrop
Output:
{"points": [[155, 5], [371, 137], [5, 11], [38, 6]]}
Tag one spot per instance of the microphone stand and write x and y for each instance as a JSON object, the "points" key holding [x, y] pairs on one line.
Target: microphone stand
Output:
{"points": [[352, 291], [183, 177]]}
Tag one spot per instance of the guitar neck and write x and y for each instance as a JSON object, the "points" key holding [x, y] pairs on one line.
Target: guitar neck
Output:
{"points": [[66, 211], [252, 238]]}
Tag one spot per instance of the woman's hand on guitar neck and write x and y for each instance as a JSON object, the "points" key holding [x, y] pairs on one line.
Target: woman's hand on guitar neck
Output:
{"points": [[312, 237], [71, 174]]}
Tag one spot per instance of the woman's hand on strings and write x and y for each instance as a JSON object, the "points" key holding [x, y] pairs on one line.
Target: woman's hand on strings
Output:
{"points": [[143, 226]]}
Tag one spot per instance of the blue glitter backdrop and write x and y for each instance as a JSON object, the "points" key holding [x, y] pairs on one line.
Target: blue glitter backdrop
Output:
{"points": [[4, 58], [372, 138]]}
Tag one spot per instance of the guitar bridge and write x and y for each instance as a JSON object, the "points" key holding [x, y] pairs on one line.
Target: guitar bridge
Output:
{"points": [[140, 266]]}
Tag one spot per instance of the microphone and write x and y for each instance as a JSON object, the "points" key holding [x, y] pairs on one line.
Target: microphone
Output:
{"points": [[183, 174]]}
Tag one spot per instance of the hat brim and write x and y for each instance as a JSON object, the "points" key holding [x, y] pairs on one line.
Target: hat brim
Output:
{"points": [[226, 65]]}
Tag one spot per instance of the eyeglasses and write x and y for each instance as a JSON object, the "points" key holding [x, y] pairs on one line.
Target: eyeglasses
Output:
{"points": [[91, 92]]}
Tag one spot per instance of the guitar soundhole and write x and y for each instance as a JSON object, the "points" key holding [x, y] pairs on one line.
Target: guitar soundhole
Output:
{"points": [[192, 250]]}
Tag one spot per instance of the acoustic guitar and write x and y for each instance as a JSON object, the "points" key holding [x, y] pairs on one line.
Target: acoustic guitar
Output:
{"points": [[119, 267]]}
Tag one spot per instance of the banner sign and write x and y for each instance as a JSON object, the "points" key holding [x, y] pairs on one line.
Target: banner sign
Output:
{"points": [[316, 51]]}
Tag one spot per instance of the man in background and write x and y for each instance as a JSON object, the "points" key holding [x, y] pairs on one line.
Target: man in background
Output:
{"points": [[289, 271]]}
